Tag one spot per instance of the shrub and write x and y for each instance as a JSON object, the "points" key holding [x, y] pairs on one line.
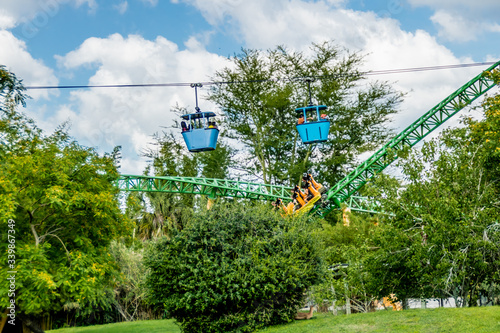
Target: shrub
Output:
{"points": [[234, 269]]}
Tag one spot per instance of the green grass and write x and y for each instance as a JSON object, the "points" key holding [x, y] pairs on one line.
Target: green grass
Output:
{"points": [[147, 326], [484, 319]]}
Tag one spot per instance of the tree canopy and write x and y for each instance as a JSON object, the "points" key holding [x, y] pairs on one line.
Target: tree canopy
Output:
{"points": [[157, 214], [264, 88], [241, 265], [66, 211], [442, 237], [234, 269]]}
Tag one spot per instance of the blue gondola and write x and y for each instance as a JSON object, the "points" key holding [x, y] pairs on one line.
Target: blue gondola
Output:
{"points": [[199, 132], [313, 126]]}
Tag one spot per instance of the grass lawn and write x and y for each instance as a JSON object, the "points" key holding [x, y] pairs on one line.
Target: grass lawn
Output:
{"points": [[484, 319], [146, 326]]}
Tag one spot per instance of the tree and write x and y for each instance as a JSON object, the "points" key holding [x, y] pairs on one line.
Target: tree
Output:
{"points": [[487, 133], [260, 91], [345, 247], [11, 88], [172, 211], [436, 242], [234, 269], [130, 290], [64, 206]]}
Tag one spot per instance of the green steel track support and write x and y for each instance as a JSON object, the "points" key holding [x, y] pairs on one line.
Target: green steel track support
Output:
{"points": [[363, 204], [224, 188], [205, 186], [408, 138]]}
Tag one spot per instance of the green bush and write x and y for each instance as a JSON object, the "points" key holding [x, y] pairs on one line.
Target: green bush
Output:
{"points": [[234, 269]]}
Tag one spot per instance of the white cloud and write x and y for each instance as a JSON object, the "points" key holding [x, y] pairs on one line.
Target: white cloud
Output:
{"points": [[108, 117], [121, 7], [150, 2], [15, 57], [264, 24], [7, 21], [477, 5], [456, 28], [215, 11], [462, 20]]}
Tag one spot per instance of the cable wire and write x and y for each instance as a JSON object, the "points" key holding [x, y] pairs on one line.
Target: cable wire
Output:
{"points": [[369, 73]]}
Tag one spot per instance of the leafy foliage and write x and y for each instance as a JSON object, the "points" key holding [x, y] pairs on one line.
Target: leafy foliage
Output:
{"points": [[66, 211], [271, 85], [345, 247], [159, 214], [130, 290], [234, 269], [435, 244], [11, 88]]}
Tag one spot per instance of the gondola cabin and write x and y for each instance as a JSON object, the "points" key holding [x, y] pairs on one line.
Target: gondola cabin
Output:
{"points": [[200, 132], [313, 126]]}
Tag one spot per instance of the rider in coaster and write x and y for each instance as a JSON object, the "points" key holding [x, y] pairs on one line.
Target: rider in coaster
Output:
{"points": [[307, 177], [300, 196]]}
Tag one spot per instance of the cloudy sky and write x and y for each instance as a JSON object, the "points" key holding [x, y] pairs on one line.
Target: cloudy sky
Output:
{"points": [[97, 42]]}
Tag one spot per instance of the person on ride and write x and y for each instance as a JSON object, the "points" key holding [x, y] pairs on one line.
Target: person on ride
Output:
{"points": [[296, 204], [307, 177], [311, 190], [277, 204], [309, 193], [300, 120], [184, 126], [300, 196], [289, 209]]}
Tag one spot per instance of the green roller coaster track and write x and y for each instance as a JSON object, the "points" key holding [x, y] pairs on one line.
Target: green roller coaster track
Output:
{"points": [[413, 134], [342, 192], [222, 188], [205, 186]]}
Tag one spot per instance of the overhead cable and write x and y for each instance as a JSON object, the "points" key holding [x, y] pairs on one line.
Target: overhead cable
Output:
{"points": [[370, 73]]}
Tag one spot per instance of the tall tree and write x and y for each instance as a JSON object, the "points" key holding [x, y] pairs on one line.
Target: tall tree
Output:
{"points": [[487, 132], [161, 213], [11, 88], [442, 239], [62, 204], [234, 269], [260, 91]]}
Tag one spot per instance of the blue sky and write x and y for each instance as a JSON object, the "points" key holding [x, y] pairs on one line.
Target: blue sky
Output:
{"points": [[74, 42]]}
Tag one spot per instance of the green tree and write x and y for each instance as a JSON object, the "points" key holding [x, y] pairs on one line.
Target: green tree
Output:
{"points": [[436, 242], [263, 89], [234, 269], [345, 247], [11, 88], [487, 133], [158, 214], [130, 290], [65, 209]]}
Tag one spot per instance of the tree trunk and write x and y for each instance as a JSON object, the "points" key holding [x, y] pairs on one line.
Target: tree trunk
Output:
{"points": [[4, 320], [292, 161], [347, 300], [33, 230]]}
